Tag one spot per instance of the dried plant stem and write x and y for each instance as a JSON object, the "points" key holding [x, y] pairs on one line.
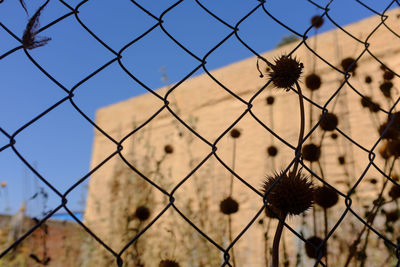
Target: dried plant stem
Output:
{"points": [[231, 240], [302, 123], [277, 239], [370, 219], [326, 234]]}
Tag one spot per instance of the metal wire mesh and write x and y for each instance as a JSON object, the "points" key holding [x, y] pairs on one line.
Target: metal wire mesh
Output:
{"points": [[213, 146]]}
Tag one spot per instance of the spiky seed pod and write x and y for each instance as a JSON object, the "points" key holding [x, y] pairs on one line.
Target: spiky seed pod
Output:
{"points": [[168, 263], [229, 206], [235, 133], [374, 107], [168, 149], [334, 136], [393, 148], [388, 75], [142, 213], [391, 132], [394, 192], [272, 151], [392, 216], [329, 122], [311, 152], [270, 100], [347, 64], [341, 160], [291, 195], [325, 197], [366, 101], [313, 81], [311, 247], [386, 88], [368, 79], [317, 21], [286, 72]]}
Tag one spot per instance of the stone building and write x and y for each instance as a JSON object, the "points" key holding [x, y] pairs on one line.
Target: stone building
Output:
{"points": [[166, 152]]}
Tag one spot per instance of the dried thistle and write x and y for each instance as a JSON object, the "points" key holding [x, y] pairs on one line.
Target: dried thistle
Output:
{"points": [[272, 151], [168, 263], [30, 39], [325, 197], [341, 160], [286, 72], [394, 192], [311, 245], [229, 206], [270, 100], [329, 122], [235, 133], [317, 21], [288, 194], [349, 64], [388, 75], [386, 88], [168, 149], [313, 81], [142, 213], [311, 152], [292, 195], [392, 216]]}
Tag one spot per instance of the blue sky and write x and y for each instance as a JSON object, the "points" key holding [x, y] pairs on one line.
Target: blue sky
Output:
{"points": [[59, 144]]}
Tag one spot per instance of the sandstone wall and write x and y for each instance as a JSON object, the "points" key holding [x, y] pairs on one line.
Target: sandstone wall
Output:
{"points": [[115, 191]]}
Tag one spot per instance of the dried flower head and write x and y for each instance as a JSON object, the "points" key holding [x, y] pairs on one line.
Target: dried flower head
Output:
{"points": [[311, 247], [311, 152], [286, 71], [368, 79], [229, 206], [317, 21], [142, 213], [30, 39], [391, 132], [329, 122], [366, 101], [168, 149], [325, 196], [386, 88], [272, 151], [313, 81], [270, 100], [392, 216], [393, 148], [235, 133], [168, 263], [349, 64], [291, 195], [394, 192], [388, 75]]}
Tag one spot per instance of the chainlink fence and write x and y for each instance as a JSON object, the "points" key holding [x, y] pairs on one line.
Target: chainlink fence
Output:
{"points": [[388, 133]]}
